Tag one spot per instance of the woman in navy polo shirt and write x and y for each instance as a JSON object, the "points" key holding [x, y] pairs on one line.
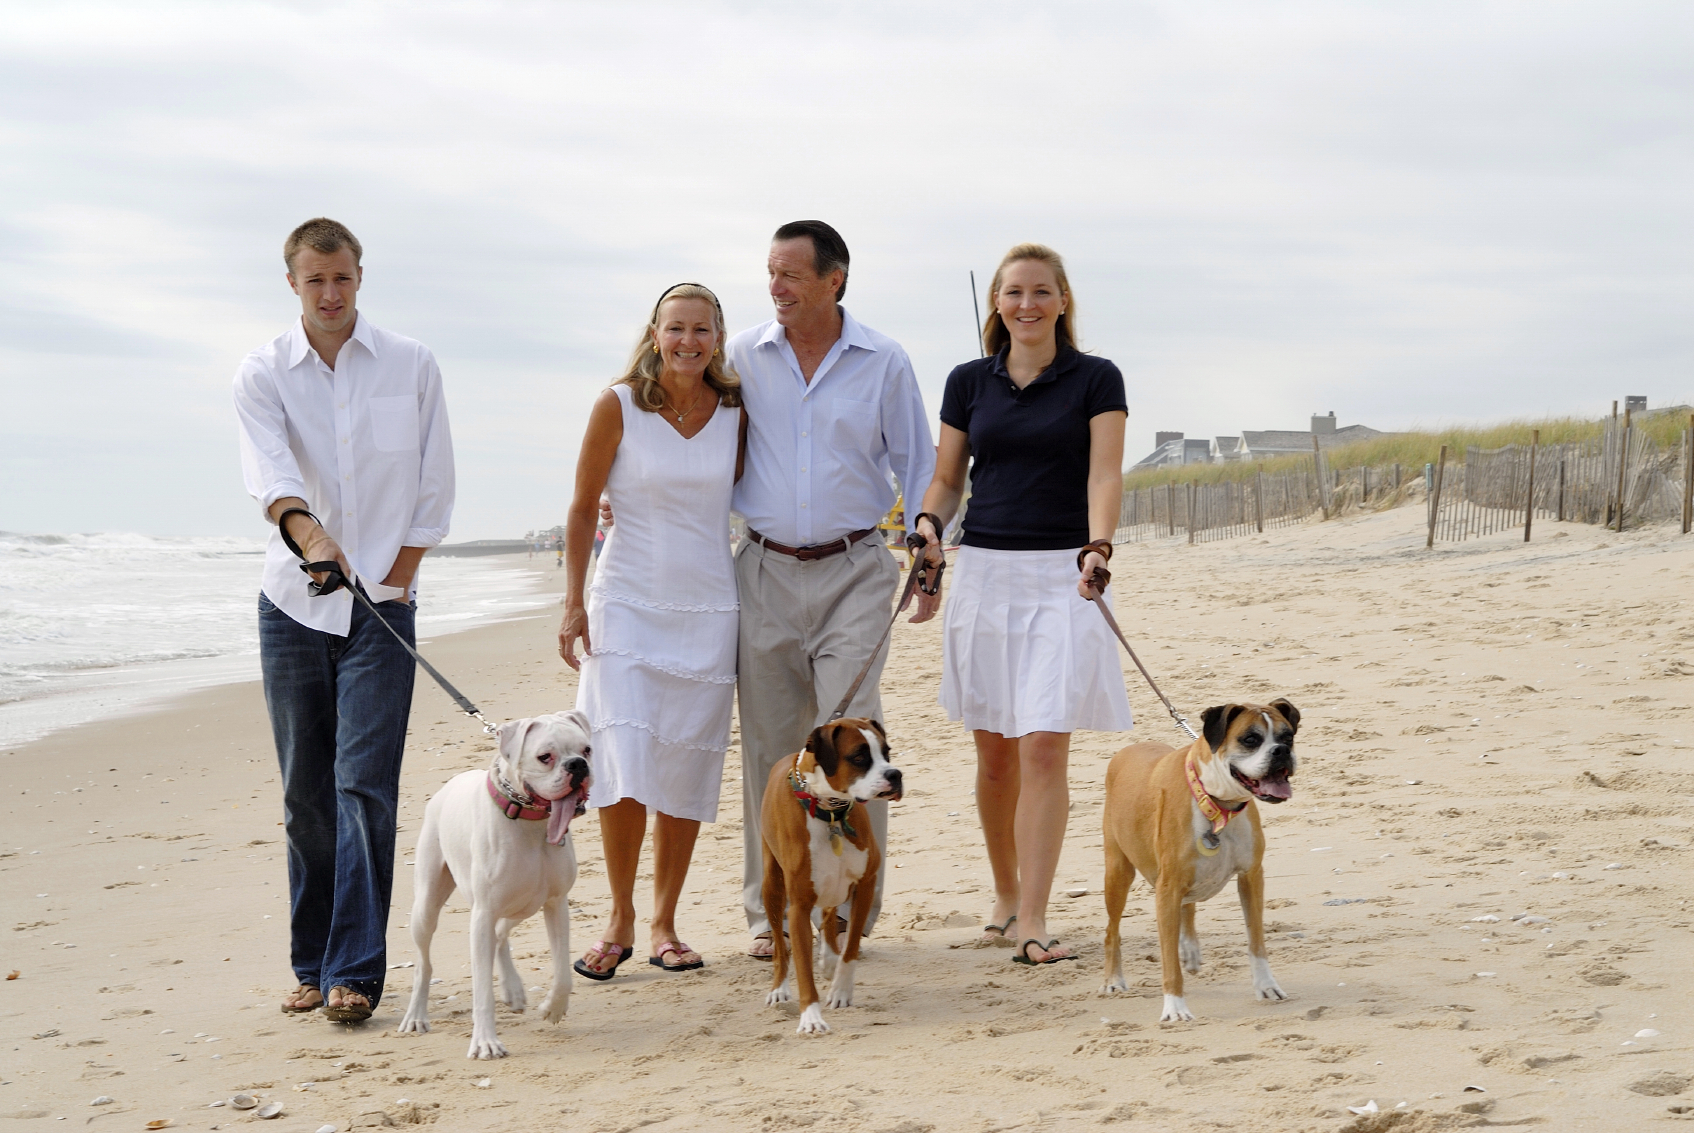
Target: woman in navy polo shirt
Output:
{"points": [[1026, 661]]}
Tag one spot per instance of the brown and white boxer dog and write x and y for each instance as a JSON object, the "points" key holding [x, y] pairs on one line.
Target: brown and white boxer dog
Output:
{"points": [[1188, 820], [819, 853]]}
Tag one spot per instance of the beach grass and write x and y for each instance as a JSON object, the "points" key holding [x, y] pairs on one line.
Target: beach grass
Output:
{"points": [[1417, 447]]}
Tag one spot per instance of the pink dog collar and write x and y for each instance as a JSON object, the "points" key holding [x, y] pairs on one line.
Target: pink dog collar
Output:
{"points": [[513, 809]]}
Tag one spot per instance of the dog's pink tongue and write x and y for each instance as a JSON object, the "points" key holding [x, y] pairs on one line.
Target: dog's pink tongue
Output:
{"points": [[1277, 788], [564, 809]]}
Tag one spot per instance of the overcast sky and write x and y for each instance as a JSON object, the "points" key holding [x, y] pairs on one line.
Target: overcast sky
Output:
{"points": [[1410, 213]]}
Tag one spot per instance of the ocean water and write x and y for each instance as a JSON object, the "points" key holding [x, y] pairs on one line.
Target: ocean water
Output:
{"points": [[96, 624]]}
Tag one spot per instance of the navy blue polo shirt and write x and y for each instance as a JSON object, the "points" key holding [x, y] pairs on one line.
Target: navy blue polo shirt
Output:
{"points": [[1029, 447]]}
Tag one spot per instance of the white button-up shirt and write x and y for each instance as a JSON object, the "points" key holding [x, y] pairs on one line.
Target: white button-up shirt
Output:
{"points": [[819, 455], [365, 444]]}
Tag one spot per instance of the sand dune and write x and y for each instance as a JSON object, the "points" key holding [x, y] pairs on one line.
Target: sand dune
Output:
{"points": [[1491, 729]]}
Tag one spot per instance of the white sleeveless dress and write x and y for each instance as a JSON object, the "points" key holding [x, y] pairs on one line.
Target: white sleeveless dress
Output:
{"points": [[662, 618]]}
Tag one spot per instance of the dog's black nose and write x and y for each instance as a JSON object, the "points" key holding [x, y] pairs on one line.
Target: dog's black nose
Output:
{"points": [[893, 777], [577, 768]]}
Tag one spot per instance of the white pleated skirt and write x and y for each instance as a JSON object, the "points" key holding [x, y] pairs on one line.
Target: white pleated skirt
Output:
{"points": [[1022, 652]]}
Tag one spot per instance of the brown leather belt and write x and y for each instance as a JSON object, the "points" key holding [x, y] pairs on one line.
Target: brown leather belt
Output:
{"points": [[815, 551]]}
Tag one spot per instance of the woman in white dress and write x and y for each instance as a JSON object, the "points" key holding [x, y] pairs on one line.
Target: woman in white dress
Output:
{"points": [[1025, 661], [658, 625]]}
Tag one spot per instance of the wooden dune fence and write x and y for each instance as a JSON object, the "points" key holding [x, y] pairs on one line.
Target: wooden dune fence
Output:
{"points": [[1203, 512], [1621, 480]]}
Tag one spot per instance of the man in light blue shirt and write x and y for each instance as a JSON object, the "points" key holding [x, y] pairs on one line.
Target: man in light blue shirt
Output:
{"points": [[833, 412]]}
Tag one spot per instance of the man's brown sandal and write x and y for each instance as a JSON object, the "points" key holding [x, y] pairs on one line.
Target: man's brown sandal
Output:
{"points": [[345, 1012], [298, 994]]}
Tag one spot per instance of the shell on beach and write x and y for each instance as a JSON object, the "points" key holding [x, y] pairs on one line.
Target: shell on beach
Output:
{"points": [[269, 1110], [161, 1123], [243, 1101]]}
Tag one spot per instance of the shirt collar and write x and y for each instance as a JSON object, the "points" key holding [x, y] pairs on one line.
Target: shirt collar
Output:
{"points": [[1063, 362], [852, 333], [299, 345]]}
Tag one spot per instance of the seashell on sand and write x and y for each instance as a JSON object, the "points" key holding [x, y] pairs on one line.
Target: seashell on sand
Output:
{"points": [[269, 1110], [161, 1123], [243, 1101]]}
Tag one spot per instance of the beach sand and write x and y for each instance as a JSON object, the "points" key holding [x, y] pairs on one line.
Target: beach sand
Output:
{"points": [[1489, 729]]}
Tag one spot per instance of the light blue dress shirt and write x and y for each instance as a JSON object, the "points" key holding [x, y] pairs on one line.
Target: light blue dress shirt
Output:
{"points": [[819, 455]]}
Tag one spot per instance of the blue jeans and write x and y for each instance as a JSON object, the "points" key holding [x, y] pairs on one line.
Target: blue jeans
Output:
{"points": [[339, 707]]}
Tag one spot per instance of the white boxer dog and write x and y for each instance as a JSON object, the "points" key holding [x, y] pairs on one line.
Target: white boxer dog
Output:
{"points": [[503, 836]]}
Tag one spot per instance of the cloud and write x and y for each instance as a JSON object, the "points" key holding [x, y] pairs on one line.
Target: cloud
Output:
{"points": [[1406, 213]]}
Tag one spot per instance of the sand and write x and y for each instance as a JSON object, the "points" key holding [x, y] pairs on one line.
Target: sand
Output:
{"points": [[1490, 729]]}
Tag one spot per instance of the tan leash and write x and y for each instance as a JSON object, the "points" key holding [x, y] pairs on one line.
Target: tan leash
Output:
{"points": [[916, 576], [1097, 588]]}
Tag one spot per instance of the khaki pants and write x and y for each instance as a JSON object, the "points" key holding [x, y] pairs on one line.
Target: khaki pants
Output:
{"points": [[805, 629]]}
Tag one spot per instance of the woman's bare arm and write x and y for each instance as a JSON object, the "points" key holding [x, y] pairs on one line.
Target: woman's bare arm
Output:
{"points": [[941, 499], [1105, 485], [593, 467]]}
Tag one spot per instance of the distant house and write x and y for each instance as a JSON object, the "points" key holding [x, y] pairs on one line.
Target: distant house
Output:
{"points": [[1175, 449]]}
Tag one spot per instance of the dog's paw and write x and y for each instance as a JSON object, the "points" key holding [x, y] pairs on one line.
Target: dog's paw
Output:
{"points": [[1176, 1011], [1264, 984], [839, 996], [811, 1022], [490, 1047], [1188, 947], [413, 1024], [779, 995], [554, 1007], [1114, 985]]}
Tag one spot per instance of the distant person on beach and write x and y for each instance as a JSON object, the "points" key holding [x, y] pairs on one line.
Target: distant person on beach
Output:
{"points": [[1025, 661], [832, 406], [658, 626], [344, 443]]}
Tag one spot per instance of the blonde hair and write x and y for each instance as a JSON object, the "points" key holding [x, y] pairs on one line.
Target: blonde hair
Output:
{"points": [[995, 336], [321, 234], [645, 364]]}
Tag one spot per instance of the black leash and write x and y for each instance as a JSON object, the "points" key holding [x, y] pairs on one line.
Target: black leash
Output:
{"points": [[918, 576], [337, 580]]}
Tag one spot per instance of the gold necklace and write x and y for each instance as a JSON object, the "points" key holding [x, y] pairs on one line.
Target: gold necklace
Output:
{"points": [[691, 405]]}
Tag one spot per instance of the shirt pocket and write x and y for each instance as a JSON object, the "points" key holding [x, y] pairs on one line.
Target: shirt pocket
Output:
{"points": [[855, 426], [394, 423]]}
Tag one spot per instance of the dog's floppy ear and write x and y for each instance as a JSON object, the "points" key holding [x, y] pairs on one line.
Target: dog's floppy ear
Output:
{"points": [[511, 736], [881, 732], [580, 718], [1289, 713], [821, 744], [1216, 721]]}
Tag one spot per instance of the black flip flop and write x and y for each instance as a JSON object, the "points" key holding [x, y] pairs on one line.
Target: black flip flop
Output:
{"points": [[1023, 953], [625, 951], [674, 948]]}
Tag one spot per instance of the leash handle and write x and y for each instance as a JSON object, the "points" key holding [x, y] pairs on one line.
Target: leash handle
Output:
{"points": [[337, 580], [1095, 596]]}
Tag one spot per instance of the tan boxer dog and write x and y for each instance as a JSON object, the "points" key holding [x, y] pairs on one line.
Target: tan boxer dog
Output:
{"points": [[1187, 819], [819, 853]]}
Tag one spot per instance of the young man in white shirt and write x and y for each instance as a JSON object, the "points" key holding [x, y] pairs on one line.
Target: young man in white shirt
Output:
{"points": [[345, 444], [833, 407]]}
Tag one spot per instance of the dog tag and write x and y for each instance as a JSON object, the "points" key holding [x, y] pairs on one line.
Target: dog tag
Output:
{"points": [[1208, 843], [835, 843]]}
